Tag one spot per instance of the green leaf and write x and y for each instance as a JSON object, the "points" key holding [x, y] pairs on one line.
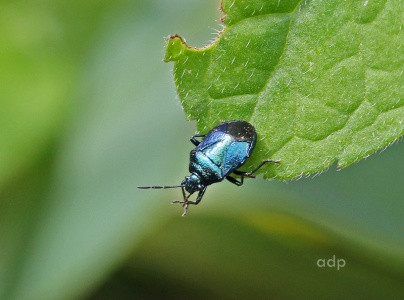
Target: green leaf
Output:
{"points": [[322, 81]]}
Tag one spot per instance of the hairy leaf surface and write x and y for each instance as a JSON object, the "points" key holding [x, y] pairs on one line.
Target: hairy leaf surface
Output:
{"points": [[322, 81]]}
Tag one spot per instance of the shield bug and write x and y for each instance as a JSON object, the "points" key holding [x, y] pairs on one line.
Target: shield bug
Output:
{"points": [[219, 155]]}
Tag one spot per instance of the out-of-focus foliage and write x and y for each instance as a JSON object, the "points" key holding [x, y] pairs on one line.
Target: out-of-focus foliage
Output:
{"points": [[88, 111]]}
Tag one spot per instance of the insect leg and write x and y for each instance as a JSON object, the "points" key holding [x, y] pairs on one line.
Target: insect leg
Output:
{"points": [[248, 174], [198, 199], [185, 203], [194, 140], [200, 195], [184, 197], [234, 180]]}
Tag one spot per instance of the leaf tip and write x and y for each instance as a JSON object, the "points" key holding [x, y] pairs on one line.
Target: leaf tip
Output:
{"points": [[175, 46]]}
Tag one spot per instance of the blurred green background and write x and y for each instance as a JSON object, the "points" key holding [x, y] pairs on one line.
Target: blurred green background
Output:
{"points": [[88, 111]]}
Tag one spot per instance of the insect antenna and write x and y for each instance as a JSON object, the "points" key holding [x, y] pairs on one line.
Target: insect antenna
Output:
{"points": [[160, 187]]}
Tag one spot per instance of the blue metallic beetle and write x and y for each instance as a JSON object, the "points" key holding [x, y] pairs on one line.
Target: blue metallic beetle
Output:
{"points": [[221, 152]]}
